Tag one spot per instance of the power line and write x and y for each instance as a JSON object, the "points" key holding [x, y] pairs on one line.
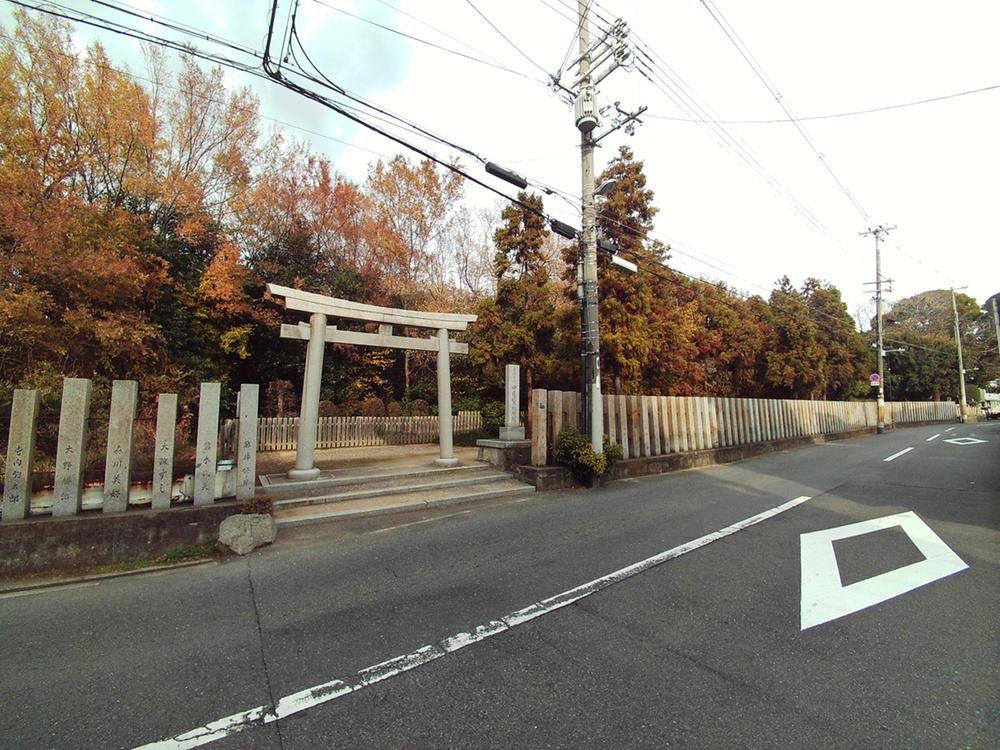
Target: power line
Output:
{"points": [[391, 30], [745, 53], [505, 37], [853, 113]]}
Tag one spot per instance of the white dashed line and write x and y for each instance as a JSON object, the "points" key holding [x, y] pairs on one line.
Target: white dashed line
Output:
{"points": [[949, 429], [897, 455], [328, 691], [932, 437]]}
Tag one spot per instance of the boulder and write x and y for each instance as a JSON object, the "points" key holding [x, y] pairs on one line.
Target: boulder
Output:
{"points": [[244, 532]]}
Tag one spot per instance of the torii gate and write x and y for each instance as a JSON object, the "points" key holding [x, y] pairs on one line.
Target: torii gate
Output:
{"points": [[317, 333]]}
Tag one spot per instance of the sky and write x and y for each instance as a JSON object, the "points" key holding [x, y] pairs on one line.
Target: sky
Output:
{"points": [[742, 203]]}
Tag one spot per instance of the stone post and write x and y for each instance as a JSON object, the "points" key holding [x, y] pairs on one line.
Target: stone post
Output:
{"points": [[20, 456], [208, 443], [444, 402], [163, 453], [512, 429], [539, 427], [246, 456], [71, 453], [121, 429], [305, 448]]}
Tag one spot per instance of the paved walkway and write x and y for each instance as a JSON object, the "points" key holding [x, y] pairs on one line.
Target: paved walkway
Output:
{"points": [[395, 456]]}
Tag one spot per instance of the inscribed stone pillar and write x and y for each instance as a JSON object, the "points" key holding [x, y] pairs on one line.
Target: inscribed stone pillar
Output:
{"points": [[539, 427], [163, 458], [20, 455], [246, 456], [554, 405], [621, 408], [208, 443], [680, 422], [698, 418], [656, 440], [668, 441], [634, 427], [121, 429], [305, 447], [445, 438], [512, 428], [713, 422], [673, 421], [610, 417], [71, 453], [644, 425]]}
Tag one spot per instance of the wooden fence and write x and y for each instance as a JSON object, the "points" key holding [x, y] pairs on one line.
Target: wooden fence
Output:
{"points": [[655, 425], [907, 412], [281, 433]]}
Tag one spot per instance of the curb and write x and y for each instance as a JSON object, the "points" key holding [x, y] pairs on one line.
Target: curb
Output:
{"points": [[54, 582]]}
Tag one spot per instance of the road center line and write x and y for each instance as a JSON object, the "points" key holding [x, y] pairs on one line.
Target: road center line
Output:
{"points": [[897, 455], [328, 691], [932, 437]]}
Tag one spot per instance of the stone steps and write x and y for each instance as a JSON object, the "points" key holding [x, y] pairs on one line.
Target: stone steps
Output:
{"points": [[369, 478], [392, 500], [379, 487]]}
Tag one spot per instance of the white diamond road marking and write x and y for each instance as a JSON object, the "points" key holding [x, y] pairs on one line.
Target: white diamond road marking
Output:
{"points": [[824, 598], [965, 441]]}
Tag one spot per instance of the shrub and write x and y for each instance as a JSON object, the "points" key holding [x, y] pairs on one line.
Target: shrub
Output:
{"points": [[372, 407], [493, 415], [573, 450], [419, 408], [394, 409], [258, 504]]}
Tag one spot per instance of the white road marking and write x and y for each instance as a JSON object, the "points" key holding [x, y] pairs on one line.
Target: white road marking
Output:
{"points": [[965, 441], [825, 599], [949, 429], [894, 456], [328, 691], [932, 437]]}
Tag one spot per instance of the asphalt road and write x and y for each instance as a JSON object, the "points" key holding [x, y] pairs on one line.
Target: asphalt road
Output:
{"points": [[891, 641]]}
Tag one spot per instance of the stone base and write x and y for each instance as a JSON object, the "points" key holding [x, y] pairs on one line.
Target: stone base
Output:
{"points": [[504, 454], [303, 474], [512, 433], [446, 461]]}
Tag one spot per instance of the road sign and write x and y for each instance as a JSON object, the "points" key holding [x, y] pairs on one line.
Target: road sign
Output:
{"points": [[874, 379]]}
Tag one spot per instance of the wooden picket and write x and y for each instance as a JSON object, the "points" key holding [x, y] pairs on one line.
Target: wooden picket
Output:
{"points": [[281, 433]]}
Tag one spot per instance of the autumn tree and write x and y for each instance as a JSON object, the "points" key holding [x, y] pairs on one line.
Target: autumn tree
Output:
{"points": [[517, 326]]}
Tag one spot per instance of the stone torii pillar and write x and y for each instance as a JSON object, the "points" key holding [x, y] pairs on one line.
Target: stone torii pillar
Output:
{"points": [[318, 333]]}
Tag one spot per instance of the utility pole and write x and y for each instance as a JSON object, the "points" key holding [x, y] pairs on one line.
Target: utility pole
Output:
{"points": [[961, 367], [879, 232], [586, 121], [996, 321], [610, 51]]}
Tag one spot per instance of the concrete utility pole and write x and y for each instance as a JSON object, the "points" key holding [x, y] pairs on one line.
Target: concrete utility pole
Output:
{"points": [[961, 367], [996, 322], [879, 232], [590, 342], [610, 50]]}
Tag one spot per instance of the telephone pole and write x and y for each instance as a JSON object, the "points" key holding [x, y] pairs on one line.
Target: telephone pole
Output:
{"points": [[961, 367], [611, 52], [879, 232], [996, 322]]}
